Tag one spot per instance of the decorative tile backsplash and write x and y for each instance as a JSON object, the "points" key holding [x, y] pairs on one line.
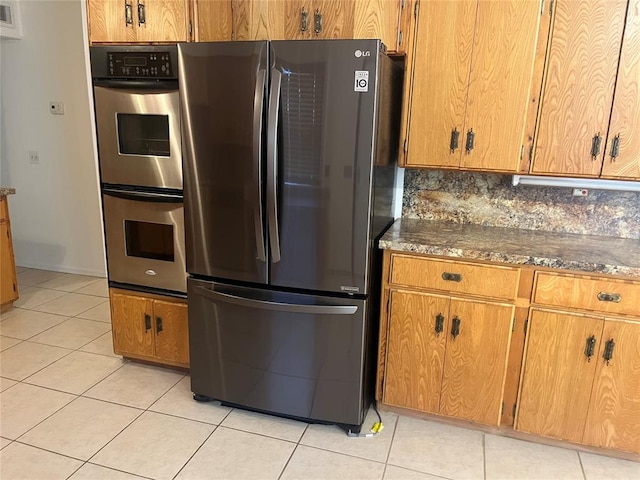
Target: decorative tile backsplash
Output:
{"points": [[490, 199]]}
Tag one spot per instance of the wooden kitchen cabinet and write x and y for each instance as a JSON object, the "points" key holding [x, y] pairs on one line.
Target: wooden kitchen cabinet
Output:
{"points": [[144, 21], [582, 365], [148, 327], [213, 20], [8, 281], [469, 84], [309, 19], [446, 354], [574, 135]]}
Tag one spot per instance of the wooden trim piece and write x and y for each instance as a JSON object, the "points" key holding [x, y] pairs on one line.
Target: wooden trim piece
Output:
{"points": [[514, 365], [154, 361], [410, 25], [384, 325], [535, 92]]}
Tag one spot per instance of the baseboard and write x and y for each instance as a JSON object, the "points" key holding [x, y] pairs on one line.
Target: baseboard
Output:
{"points": [[64, 269]]}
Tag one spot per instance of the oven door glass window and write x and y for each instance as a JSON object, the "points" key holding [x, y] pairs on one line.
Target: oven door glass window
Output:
{"points": [[149, 240], [142, 134]]}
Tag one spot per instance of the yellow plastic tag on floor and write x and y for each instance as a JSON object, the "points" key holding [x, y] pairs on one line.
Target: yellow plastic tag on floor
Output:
{"points": [[377, 427]]}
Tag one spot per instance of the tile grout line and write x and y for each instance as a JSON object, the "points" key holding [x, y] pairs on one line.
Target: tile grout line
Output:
{"points": [[197, 450], [484, 455], [117, 470], [393, 437], [286, 464], [584, 474]]}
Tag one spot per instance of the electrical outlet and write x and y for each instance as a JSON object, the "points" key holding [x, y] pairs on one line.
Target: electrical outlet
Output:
{"points": [[580, 192], [56, 108], [34, 158]]}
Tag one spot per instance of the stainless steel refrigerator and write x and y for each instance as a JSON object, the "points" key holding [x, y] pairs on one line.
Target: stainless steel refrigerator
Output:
{"points": [[289, 158]]}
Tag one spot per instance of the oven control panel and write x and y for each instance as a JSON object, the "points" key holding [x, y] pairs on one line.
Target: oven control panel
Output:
{"points": [[139, 64]]}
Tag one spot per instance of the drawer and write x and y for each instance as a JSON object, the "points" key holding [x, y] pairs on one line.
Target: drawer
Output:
{"points": [[455, 277], [587, 293]]}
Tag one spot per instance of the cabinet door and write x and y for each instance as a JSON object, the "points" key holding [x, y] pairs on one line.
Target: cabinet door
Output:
{"points": [[579, 82], [501, 72], [108, 20], [172, 331], [337, 18], [264, 19], [625, 116], [415, 352], [214, 20], [377, 19], [442, 56], [162, 20], [557, 375], [476, 360], [613, 420], [131, 324], [8, 284]]}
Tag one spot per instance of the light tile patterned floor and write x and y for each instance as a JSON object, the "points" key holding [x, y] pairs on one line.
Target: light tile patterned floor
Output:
{"points": [[73, 409]]}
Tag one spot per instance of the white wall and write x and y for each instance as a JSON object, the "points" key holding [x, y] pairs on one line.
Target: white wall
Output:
{"points": [[55, 216]]}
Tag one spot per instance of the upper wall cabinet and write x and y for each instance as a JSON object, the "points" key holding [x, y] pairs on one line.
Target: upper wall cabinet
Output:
{"points": [[308, 19], [588, 123], [471, 74], [130, 21], [213, 20]]}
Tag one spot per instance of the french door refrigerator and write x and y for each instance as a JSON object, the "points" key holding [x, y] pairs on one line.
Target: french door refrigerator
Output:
{"points": [[289, 156]]}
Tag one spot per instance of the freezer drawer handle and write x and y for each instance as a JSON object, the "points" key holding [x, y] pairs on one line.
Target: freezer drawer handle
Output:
{"points": [[280, 307], [144, 196]]}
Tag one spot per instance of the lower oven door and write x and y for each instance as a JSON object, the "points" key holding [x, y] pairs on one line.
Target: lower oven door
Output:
{"points": [[145, 239]]}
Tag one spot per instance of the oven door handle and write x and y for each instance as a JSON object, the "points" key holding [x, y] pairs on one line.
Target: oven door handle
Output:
{"points": [[158, 86], [144, 196]]}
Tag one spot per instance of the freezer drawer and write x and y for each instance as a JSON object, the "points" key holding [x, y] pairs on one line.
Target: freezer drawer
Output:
{"points": [[285, 353]]}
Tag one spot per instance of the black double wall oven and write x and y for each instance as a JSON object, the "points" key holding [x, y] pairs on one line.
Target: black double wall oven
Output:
{"points": [[137, 115]]}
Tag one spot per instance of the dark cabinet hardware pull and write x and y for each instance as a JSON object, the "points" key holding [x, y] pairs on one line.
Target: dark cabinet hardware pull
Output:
{"points": [[455, 327], [595, 145], [439, 324], [451, 277], [141, 16], [455, 136], [615, 147], [147, 322], [128, 14], [158, 324], [590, 347], [470, 141], [317, 20], [608, 350], [609, 297], [304, 20]]}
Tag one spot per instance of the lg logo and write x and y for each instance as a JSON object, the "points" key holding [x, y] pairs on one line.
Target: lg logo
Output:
{"points": [[360, 53]]}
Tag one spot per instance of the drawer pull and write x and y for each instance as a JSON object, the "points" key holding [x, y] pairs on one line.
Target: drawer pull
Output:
{"points": [[609, 297], [608, 350], [590, 348], [147, 322], [439, 324], [158, 325], [455, 327], [452, 277]]}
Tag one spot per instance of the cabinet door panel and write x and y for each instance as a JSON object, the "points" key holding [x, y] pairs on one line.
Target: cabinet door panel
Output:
{"points": [[613, 420], [214, 19], [377, 19], [107, 21], [337, 18], [625, 116], [261, 19], [164, 21], [442, 57], [476, 361], [8, 283], [172, 331], [501, 72], [130, 334], [580, 78], [415, 352], [557, 377]]}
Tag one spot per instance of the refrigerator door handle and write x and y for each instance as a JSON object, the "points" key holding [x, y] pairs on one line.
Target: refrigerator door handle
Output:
{"points": [[280, 307], [272, 163], [257, 158]]}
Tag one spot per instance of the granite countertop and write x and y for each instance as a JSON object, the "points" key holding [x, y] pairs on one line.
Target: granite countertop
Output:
{"points": [[584, 253], [4, 191]]}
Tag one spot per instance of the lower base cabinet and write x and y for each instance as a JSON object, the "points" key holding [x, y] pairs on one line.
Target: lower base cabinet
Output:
{"points": [[150, 327], [447, 355], [581, 380]]}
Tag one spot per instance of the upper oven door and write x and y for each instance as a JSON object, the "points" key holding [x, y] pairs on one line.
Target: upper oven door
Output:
{"points": [[138, 126]]}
